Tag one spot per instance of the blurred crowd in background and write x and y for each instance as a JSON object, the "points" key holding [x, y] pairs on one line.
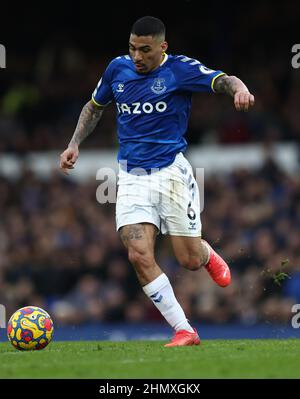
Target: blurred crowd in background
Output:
{"points": [[50, 76], [58, 246]]}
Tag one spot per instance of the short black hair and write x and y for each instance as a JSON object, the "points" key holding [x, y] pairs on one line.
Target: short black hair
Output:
{"points": [[148, 26]]}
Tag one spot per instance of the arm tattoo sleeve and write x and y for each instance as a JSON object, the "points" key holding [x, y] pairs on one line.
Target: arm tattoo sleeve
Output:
{"points": [[87, 122], [229, 85]]}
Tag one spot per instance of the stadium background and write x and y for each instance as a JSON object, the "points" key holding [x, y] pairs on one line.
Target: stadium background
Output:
{"points": [[58, 246]]}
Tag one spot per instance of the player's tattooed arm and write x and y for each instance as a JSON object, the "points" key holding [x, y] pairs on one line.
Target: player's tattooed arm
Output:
{"points": [[233, 86], [88, 119]]}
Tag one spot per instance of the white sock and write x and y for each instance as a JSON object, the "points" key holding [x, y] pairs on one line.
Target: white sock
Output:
{"points": [[162, 295]]}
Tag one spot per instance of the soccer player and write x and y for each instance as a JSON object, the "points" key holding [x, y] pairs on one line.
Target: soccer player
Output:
{"points": [[152, 91]]}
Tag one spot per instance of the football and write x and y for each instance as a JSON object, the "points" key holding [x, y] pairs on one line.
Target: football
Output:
{"points": [[30, 328]]}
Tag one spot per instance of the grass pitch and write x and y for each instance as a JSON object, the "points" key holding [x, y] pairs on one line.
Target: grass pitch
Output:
{"points": [[149, 359]]}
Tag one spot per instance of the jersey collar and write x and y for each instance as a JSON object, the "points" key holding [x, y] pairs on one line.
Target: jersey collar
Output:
{"points": [[164, 59]]}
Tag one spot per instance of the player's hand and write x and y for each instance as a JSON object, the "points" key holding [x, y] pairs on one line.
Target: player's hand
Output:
{"points": [[243, 100], [68, 158]]}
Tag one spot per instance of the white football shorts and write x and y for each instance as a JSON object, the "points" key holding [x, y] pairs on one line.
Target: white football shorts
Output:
{"points": [[167, 198]]}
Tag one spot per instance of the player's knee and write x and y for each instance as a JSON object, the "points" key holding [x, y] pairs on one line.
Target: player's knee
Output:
{"points": [[190, 262], [140, 258]]}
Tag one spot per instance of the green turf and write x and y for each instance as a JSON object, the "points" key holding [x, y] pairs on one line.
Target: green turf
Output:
{"points": [[149, 359]]}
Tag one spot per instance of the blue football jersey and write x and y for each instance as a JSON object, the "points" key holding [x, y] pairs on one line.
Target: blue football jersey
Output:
{"points": [[153, 108]]}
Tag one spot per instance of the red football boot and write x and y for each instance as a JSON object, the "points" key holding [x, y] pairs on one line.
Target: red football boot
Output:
{"points": [[184, 338], [217, 268]]}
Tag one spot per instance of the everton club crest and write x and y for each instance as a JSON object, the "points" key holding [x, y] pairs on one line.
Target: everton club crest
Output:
{"points": [[158, 86]]}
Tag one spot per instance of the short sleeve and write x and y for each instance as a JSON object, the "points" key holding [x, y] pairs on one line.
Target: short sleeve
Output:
{"points": [[192, 75], [103, 94]]}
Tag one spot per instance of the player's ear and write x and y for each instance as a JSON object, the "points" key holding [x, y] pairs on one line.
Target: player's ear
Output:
{"points": [[164, 46]]}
